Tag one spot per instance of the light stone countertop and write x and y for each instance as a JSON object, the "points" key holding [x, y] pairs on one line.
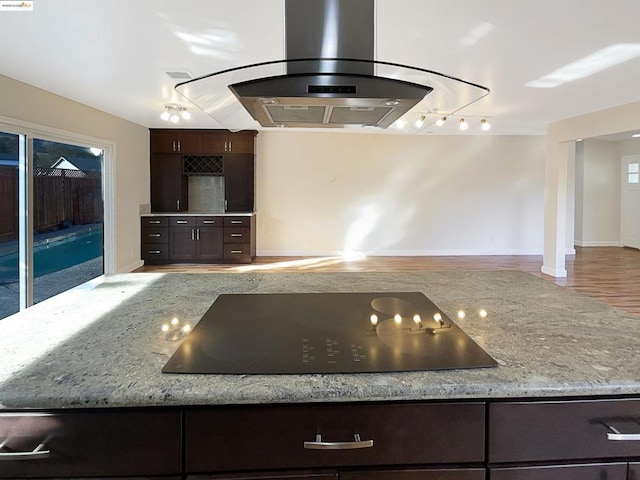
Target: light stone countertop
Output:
{"points": [[104, 346], [197, 213]]}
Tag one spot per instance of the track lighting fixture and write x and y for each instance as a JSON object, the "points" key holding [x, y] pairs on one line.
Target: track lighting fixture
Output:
{"points": [[463, 125], [173, 113], [441, 121], [484, 125], [420, 121]]}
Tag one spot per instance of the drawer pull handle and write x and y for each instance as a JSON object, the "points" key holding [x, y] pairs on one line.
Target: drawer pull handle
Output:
{"points": [[154, 252], [236, 251], [154, 221], [37, 453], [236, 234], [320, 445], [182, 222], [154, 234], [208, 222], [236, 222], [616, 435]]}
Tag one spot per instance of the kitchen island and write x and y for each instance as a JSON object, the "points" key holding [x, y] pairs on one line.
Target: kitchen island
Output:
{"points": [[105, 346], [562, 357]]}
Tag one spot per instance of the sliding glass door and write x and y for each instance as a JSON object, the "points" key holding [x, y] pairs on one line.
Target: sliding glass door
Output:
{"points": [[67, 217], [9, 227], [51, 219]]}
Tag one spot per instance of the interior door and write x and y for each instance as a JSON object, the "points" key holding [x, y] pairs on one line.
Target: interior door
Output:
{"points": [[630, 202]]}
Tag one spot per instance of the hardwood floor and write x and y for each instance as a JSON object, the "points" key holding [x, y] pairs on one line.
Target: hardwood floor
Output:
{"points": [[610, 274]]}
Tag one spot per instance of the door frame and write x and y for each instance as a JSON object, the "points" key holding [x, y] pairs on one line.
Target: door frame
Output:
{"points": [[623, 176], [32, 130]]}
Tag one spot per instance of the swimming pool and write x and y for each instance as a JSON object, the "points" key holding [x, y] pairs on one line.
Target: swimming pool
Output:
{"points": [[55, 255]]}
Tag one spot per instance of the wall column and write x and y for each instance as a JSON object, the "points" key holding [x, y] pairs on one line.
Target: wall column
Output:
{"points": [[555, 206]]}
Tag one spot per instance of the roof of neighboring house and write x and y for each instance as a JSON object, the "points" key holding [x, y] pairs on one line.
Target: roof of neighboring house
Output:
{"points": [[9, 159], [83, 164]]}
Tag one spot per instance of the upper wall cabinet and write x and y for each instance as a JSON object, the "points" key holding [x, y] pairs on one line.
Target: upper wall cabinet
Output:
{"points": [[176, 141], [222, 141]]}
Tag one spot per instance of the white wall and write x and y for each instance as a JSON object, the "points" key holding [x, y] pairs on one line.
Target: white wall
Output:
{"points": [[25, 103], [631, 147], [328, 193], [560, 141], [600, 210]]}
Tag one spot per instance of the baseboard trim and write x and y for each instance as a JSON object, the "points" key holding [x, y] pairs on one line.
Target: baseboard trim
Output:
{"points": [[394, 253], [598, 243], [131, 267], [553, 272]]}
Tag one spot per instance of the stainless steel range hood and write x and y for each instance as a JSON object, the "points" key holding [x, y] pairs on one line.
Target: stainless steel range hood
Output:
{"points": [[329, 78]]}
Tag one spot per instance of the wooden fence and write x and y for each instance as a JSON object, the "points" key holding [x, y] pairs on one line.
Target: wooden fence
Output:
{"points": [[61, 198]]}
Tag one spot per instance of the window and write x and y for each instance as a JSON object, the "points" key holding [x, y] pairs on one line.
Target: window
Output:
{"points": [[632, 173]]}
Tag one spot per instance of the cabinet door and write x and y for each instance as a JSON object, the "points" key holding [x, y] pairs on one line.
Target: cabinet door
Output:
{"points": [[182, 244], [90, 444], [209, 241], [241, 142], [634, 471], [176, 141], [597, 471], [239, 183], [190, 141], [417, 474], [168, 185], [215, 141]]}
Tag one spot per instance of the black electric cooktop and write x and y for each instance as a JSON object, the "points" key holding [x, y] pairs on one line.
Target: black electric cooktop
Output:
{"points": [[296, 333]]}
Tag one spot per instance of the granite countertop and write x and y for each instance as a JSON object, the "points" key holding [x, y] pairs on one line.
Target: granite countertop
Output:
{"points": [[104, 346], [192, 213]]}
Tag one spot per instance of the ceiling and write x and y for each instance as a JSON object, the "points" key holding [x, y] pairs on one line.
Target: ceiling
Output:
{"points": [[114, 54]]}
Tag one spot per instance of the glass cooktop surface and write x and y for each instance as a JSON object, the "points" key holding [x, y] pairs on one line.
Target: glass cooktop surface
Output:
{"points": [[295, 333]]}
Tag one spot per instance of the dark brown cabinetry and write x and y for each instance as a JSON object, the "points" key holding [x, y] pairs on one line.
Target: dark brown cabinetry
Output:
{"points": [[321, 436], [155, 239], [190, 238], [195, 239], [176, 141], [224, 142], [556, 440], [595, 471], [169, 188], [90, 443], [239, 183], [176, 154]]}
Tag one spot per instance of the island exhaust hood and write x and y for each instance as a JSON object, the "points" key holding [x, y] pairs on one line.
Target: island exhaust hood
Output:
{"points": [[329, 78]]}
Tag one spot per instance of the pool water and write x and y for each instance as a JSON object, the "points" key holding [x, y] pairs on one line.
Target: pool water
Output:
{"points": [[55, 255]]}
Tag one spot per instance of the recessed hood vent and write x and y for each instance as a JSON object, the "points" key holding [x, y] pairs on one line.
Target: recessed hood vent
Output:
{"points": [[329, 78]]}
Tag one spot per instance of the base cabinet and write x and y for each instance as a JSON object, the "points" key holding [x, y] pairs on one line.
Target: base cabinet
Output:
{"points": [[92, 443], [596, 471], [564, 440], [409, 474], [198, 239]]}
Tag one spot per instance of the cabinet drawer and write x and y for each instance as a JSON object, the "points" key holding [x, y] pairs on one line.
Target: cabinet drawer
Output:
{"points": [[218, 439], [417, 474], [155, 234], [92, 444], [182, 221], [571, 430], [595, 471], [237, 234], [155, 252], [237, 252], [209, 221], [276, 475], [237, 221], [155, 221]]}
